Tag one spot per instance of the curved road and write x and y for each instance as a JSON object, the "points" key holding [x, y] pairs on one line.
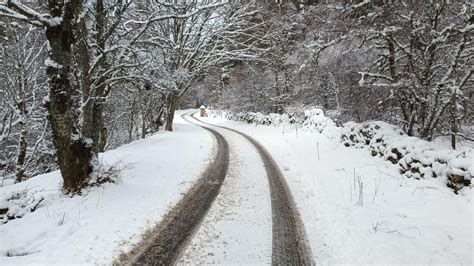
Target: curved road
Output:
{"points": [[289, 241], [165, 243]]}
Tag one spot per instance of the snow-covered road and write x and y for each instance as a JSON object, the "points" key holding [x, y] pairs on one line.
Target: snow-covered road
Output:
{"points": [[289, 241], [238, 227], [254, 218]]}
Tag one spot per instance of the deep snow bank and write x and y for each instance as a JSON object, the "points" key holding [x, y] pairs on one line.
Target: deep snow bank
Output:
{"points": [[415, 158]]}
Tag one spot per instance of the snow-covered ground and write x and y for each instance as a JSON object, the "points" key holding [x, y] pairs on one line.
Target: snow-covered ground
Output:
{"points": [[97, 227], [358, 209]]}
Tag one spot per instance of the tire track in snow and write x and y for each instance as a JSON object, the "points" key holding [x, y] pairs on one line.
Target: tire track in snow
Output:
{"points": [[164, 244], [289, 241], [237, 230]]}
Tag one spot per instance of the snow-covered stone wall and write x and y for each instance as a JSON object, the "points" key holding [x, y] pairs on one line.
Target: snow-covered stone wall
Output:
{"points": [[415, 158]]}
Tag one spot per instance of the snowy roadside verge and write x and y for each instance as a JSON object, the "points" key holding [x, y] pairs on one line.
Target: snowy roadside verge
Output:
{"points": [[415, 158], [108, 220], [358, 209]]}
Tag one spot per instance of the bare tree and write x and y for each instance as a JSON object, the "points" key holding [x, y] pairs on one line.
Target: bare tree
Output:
{"points": [[193, 39], [77, 66], [22, 90], [420, 52]]}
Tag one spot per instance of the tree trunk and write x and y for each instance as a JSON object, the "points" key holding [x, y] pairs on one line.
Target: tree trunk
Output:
{"points": [[20, 171], [131, 121], [97, 124], [454, 127], [143, 135], [100, 89], [74, 153], [172, 101], [411, 125], [102, 139], [158, 121], [22, 142]]}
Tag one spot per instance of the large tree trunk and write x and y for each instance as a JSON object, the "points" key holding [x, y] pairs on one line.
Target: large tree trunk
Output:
{"points": [[92, 90], [74, 153], [172, 102]]}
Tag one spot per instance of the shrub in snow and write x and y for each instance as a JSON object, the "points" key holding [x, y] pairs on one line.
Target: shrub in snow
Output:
{"points": [[103, 174], [316, 120], [414, 157], [18, 203], [312, 120]]}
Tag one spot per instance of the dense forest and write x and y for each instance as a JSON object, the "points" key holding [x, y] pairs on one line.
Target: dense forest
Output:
{"points": [[80, 77]]}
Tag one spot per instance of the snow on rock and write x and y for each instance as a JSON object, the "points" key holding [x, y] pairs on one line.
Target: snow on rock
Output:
{"points": [[414, 157]]}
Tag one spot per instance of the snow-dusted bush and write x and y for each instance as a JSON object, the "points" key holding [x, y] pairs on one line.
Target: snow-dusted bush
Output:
{"points": [[415, 158], [315, 119], [312, 120]]}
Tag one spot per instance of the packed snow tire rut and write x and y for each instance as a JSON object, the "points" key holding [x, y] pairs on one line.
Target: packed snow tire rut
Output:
{"points": [[165, 243], [289, 241]]}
